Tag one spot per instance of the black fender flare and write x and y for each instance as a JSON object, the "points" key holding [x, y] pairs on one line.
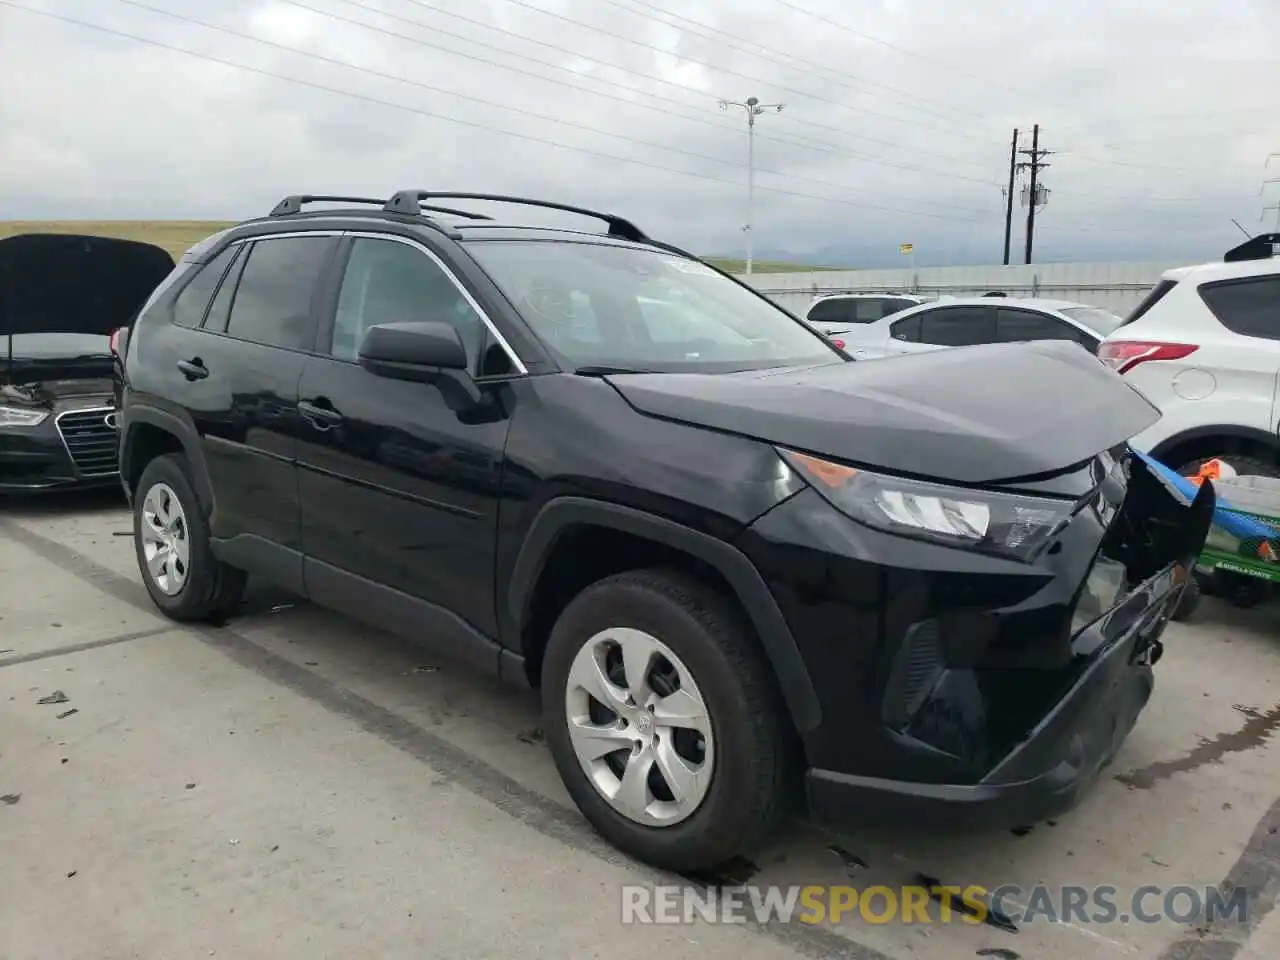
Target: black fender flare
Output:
{"points": [[184, 431], [1230, 430], [557, 515]]}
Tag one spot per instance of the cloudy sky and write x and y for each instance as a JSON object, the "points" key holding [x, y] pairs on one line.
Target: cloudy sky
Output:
{"points": [[896, 126]]}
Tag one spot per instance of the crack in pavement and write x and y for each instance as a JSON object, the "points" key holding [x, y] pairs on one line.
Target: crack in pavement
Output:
{"points": [[71, 648], [457, 765]]}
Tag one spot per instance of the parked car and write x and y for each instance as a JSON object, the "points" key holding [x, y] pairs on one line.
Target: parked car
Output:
{"points": [[966, 321], [1204, 347], [835, 314], [734, 566], [61, 296]]}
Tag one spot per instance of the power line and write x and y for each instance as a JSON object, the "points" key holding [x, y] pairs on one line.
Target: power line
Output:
{"points": [[334, 61], [951, 68], [788, 60], [457, 120], [711, 66], [817, 146]]}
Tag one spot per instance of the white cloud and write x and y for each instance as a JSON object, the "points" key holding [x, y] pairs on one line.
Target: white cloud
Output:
{"points": [[896, 127]]}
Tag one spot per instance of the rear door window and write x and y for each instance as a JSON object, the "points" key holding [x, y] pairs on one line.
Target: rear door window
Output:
{"points": [[274, 301], [958, 326], [1249, 307], [1015, 325], [193, 299]]}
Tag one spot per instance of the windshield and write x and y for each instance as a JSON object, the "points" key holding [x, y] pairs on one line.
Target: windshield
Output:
{"points": [[58, 346], [1099, 321], [601, 305]]}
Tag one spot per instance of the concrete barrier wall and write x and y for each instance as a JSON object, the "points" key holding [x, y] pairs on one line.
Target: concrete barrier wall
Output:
{"points": [[1113, 286]]}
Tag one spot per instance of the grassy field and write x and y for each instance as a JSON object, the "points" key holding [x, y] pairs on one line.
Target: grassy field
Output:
{"points": [[764, 266], [177, 236]]}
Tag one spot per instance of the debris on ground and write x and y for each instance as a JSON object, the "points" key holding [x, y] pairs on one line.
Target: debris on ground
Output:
{"points": [[424, 668], [851, 861], [191, 786], [534, 736], [56, 697], [282, 606], [1000, 953], [64, 715], [71, 874], [9, 799], [993, 917]]}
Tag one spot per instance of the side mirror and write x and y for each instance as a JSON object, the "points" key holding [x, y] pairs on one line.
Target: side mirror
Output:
{"points": [[425, 352], [412, 351]]}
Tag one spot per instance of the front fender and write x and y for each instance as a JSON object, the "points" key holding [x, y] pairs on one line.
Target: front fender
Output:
{"points": [[559, 514]]}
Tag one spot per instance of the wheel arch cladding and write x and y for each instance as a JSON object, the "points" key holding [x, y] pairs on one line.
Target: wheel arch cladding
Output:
{"points": [[151, 433], [561, 516]]}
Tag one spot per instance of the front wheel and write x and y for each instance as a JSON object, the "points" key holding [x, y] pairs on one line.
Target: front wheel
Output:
{"points": [[171, 539], [663, 720]]}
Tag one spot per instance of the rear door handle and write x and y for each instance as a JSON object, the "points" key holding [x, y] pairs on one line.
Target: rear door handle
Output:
{"points": [[193, 369], [320, 417]]}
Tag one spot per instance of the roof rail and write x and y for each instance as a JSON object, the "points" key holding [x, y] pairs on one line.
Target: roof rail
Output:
{"points": [[410, 201], [293, 204], [1261, 247]]}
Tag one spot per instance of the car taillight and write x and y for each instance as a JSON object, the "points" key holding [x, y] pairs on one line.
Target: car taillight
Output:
{"points": [[115, 340], [1123, 355], [839, 343]]}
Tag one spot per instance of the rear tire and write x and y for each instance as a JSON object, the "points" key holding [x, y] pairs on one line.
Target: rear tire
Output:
{"points": [[171, 540], [664, 619]]}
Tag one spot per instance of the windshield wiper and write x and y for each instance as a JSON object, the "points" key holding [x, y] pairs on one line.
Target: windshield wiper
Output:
{"points": [[601, 370]]}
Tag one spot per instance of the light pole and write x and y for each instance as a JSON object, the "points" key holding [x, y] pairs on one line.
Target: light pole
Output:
{"points": [[753, 108]]}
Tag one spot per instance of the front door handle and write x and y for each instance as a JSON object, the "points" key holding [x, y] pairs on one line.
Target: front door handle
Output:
{"points": [[193, 369], [320, 417]]}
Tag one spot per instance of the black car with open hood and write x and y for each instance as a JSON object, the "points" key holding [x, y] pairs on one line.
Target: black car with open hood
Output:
{"points": [[62, 297]]}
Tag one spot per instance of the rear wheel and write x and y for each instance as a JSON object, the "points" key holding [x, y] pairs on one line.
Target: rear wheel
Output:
{"points": [[1189, 601], [171, 539], [663, 720]]}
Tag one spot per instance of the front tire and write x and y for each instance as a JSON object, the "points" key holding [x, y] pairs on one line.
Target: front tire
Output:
{"points": [[664, 721], [171, 540]]}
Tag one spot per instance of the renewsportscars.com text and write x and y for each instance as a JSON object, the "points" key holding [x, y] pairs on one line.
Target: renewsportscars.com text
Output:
{"points": [[676, 904]]}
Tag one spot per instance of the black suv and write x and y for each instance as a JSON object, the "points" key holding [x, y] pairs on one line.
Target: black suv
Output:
{"points": [[734, 561]]}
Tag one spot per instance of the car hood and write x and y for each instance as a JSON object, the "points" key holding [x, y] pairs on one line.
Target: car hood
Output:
{"points": [[64, 283], [980, 415]]}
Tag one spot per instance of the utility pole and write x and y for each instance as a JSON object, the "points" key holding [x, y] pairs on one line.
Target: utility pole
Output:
{"points": [[1035, 164], [754, 108], [1008, 203]]}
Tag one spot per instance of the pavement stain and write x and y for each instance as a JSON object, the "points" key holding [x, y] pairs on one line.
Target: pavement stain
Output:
{"points": [[1254, 733]]}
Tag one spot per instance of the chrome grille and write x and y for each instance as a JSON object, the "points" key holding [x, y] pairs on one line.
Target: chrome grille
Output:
{"points": [[91, 442]]}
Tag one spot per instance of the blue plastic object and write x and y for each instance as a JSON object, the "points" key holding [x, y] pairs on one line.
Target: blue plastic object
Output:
{"points": [[1225, 516]]}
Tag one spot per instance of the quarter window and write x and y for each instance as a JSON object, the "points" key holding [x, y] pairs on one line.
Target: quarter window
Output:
{"points": [[193, 299], [1250, 307]]}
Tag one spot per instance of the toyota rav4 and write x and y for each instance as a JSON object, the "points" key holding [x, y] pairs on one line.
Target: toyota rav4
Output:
{"points": [[735, 562]]}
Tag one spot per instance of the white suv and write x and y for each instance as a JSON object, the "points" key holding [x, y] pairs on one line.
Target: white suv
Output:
{"points": [[1204, 347]]}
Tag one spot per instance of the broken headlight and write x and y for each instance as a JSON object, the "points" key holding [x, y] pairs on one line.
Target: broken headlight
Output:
{"points": [[21, 416], [1008, 524]]}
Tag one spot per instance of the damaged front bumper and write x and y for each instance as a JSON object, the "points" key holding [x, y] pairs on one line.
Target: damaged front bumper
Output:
{"points": [[1062, 756], [984, 690]]}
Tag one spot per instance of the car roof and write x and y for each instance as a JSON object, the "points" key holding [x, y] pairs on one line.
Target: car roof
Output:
{"points": [[1219, 270], [1034, 303], [864, 296]]}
